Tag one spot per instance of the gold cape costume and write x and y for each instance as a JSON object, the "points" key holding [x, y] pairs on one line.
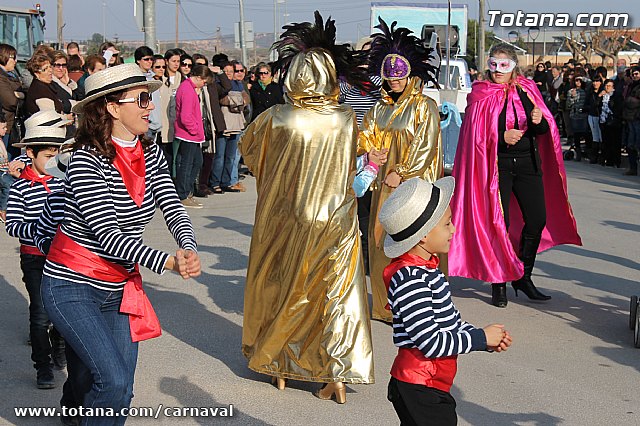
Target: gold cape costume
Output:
{"points": [[306, 315], [410, 129]]}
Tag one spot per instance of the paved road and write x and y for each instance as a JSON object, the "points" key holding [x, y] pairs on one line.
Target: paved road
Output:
{"points": [[572, 363]]}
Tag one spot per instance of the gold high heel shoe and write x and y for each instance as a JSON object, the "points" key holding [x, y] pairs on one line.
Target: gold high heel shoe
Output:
{"points": [[279, 382], [333, 390]]}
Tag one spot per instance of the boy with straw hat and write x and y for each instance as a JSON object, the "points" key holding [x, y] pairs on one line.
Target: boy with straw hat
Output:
{"points": [[427, 327], [26, 200]]}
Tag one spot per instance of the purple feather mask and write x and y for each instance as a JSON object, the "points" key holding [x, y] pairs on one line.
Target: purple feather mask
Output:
{"points": [[395, 67]]}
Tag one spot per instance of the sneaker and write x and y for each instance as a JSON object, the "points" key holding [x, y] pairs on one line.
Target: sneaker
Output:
{"points": [[191, 204], [44, 378]]}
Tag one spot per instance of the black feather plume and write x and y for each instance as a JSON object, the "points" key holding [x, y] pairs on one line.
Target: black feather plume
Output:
{"points": [[425, 62], [301, 37]]}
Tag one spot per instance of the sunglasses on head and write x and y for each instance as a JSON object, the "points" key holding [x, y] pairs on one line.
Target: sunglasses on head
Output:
{"points": [[501, 65], [143, 100]]}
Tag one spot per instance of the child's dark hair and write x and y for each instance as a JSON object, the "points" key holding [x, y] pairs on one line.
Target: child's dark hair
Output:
{"points": [[37, 148], [3, 119]]}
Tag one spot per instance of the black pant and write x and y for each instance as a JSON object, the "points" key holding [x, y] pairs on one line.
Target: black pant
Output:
{"points": [[364, 208], [523, 177], [612, 144], [421, 405], [32, 267], [188, 165]]}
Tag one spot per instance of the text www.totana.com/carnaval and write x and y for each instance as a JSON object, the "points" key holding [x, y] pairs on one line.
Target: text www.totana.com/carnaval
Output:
{"points": [[157, 412]]}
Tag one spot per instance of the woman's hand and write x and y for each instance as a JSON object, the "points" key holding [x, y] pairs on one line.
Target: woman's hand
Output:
{"points": [[536, 115], [512, 136], [378, 157], [393, 180]]}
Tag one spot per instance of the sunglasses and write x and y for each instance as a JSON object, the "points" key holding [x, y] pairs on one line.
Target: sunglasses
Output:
{"points": [[148, 58], [239, 70], [263, 73], [186, 64], [143, 100], [60, 65]]}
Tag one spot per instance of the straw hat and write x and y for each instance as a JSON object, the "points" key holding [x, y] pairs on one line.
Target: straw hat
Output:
{"points": [[46, 118], [412, 211], [114, 79], [57, 166], [42, 135]]}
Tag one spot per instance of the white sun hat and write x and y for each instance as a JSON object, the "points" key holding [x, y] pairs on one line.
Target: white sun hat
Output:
{"points": [[57, 166], [114, 79], [47, 117], [413, 210], [42, 135]]}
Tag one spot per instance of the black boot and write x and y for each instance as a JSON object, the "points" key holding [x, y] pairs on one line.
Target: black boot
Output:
{"points": [[499, 295], [528, 250], [44, 377]]}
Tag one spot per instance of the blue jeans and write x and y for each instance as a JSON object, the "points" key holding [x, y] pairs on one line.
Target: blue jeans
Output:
{"points": [[224, 161], [89, 320], [188, 165], [236, 167], [6, 180]]}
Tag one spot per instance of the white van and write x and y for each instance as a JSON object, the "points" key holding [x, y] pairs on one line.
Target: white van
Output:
{"points": [[459, 82]]}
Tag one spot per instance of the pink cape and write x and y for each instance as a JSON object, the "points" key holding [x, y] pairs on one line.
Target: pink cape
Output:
{"points": [[480, 248]]}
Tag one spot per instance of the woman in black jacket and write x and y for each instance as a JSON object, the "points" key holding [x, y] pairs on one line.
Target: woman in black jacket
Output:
{"points": [[593, 116], [610, 107], [264, 93]]}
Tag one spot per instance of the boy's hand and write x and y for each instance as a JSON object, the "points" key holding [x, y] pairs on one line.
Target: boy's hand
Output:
{"points": [[495, 334], [193, 263], [504, 344], [378, 157], [15, 168], [392, 180]]}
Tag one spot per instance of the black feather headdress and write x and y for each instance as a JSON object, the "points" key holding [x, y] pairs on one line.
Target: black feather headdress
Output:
{"points": [[302, 37], [423, 62]]}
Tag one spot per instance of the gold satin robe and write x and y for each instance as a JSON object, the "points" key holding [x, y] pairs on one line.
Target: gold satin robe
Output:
{"points": [[306, 315], [410, 129]]}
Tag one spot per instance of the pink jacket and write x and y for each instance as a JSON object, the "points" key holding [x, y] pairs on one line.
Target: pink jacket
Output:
{"points": [[188, 125]]}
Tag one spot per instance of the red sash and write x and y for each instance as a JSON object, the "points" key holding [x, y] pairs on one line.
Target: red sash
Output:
{"points": [[130, 163], [24, 249], [411, 366], [143, 322], [406, 260], [30, 175]]}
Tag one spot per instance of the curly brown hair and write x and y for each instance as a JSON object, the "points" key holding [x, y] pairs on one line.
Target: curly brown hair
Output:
{"points": [[36, 62], [96, 125]]}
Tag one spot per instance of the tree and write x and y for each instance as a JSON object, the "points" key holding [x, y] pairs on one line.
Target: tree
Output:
{"points": [[472, 34], [604, 44], [94, 43]]}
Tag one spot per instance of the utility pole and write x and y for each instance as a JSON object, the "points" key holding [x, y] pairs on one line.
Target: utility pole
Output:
{"points": [[243, 43], [218, 40], [60, 25], [104, 21], [177, 14], [149, 16], [481, 22]]}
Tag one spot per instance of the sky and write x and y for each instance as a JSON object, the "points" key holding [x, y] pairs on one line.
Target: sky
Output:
{"points": [[199, 19]]}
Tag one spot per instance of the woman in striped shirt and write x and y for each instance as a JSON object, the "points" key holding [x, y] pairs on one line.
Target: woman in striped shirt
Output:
{"points": [[114, 182]]}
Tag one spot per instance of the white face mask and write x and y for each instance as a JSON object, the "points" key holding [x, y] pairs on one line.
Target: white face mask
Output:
{"points": [[501, 65]]}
